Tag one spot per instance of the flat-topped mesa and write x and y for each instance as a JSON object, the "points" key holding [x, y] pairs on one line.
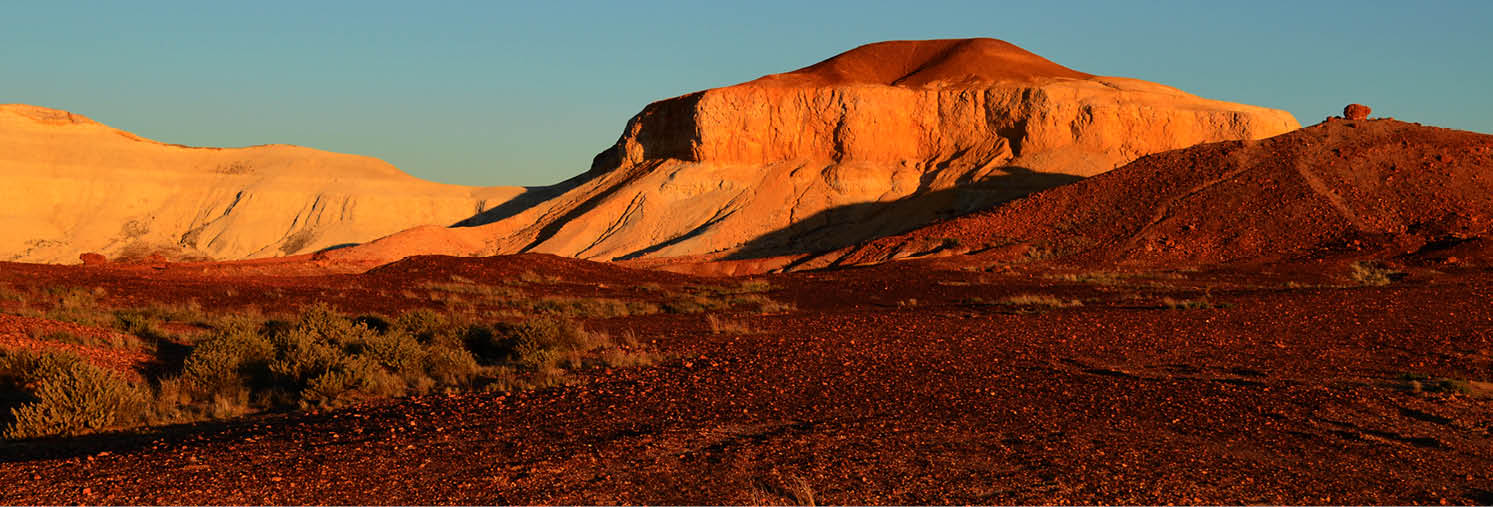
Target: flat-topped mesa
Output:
{"points": [[881, 139], [960, 105]]}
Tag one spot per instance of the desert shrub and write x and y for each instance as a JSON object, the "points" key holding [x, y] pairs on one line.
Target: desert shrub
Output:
{"points": [[77, 305], [229, 362], [450, 366], [353, 379], [424, 324], [531, 277], [692, 303], [1373, 274], [317, 359], [322, 321], [377, 323], [759, 303], [396, 351], [593, 307], [137, 322], [1191, 304], [9, 293], [488, 292], [322, 359], [69, 396], [719, 325], [301, 355], [543, 342], [1043, 300]]}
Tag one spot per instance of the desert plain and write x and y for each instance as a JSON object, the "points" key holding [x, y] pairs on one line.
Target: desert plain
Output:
{"points": [[918, 272]]}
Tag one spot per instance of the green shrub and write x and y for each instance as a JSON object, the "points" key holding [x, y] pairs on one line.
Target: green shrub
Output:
{"points": [[355, 379], [537, 342], [1373, 274], [424, 324], [694, 304], [399, 352], [1044, 300], [228, 362], [593, 307], [450, 366], [70, 396], [1191, 304]]}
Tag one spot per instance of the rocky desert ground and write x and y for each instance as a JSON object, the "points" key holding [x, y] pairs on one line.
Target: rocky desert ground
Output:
{"points": [[918, 272]]}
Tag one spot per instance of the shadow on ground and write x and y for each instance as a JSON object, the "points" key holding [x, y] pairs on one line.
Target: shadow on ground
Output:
{"points": [[851, 224]]}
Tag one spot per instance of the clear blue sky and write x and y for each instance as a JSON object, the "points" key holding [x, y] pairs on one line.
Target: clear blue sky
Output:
{"points": [[525, 93]]}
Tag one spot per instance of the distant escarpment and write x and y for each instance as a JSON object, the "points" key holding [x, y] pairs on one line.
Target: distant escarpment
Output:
{"points": [[73, 186], [878, 140]]}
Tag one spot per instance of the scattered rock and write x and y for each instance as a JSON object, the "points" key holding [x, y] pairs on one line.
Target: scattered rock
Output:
{"points": [[93, 259]]}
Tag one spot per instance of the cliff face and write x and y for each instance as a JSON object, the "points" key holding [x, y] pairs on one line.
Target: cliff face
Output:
{"points": [[875, 141], [72, 185], [1069, 126]]}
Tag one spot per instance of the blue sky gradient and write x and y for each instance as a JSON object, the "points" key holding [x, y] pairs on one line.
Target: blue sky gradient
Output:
{"points": [[525, 93]]}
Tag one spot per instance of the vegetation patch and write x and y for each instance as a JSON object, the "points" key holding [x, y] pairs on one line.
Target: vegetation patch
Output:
{"points": [[1373, 274], [1171, 303], [1039, 300], [725, 326], [318, 359]]}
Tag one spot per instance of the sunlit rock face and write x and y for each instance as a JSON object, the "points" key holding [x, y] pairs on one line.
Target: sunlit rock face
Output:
{"points": [[874, 141], [73, 186]]}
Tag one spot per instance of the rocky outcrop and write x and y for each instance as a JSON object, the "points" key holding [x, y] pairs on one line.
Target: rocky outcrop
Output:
{"points": [[72, 185], [1356, 112], [878, 140]]}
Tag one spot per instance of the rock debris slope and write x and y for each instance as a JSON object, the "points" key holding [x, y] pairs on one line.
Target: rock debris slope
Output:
{"points": [[1343, 188], [880, 139], [72, 185]]}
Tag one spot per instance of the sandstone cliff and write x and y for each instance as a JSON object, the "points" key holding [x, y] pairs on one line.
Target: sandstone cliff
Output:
{"points": [[878, 140], [72, 185]]}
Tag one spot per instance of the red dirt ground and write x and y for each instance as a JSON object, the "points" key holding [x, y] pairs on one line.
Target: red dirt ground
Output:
{"points": [[889, 384], [1224, 352]]}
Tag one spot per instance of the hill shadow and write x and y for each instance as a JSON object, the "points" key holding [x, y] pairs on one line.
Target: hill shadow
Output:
{"points": [[530, 197], [851, 224]]}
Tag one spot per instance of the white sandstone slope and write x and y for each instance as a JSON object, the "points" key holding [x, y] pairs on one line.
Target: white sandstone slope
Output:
{"points": [[69, 185], [875, 141]]}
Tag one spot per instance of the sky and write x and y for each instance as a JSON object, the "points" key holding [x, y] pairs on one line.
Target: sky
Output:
{"points": [[526, 93]]}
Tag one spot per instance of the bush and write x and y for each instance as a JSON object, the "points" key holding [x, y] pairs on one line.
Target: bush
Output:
{"points": [[320, 359], [593, 307], [542, 342], [694, 304], [1044, 300], [70, 396], [228, 362], [450, 366], [1373, 274]]}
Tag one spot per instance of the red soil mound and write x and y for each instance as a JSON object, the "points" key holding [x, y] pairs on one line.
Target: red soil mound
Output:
{"points": [[31, 333], [1340, 188], [917, 63]]}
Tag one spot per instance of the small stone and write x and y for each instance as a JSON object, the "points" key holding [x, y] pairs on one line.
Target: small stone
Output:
{"points": [[1356, 112]]}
